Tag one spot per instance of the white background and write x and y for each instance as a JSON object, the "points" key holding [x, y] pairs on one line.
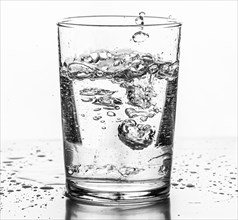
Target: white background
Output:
{"points": [[30, 99]]}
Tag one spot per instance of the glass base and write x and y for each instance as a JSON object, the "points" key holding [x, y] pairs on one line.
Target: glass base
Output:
{"points": [[109, 193]]}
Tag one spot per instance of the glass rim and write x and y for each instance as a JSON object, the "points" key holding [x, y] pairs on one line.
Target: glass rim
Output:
{"points": [[70, 22]]}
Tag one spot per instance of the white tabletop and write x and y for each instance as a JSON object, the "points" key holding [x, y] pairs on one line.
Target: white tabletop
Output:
{"points": [[204, 183]]}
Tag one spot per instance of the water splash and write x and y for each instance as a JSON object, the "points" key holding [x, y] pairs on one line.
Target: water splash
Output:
{"points": [[140, 36], [140, 19]]}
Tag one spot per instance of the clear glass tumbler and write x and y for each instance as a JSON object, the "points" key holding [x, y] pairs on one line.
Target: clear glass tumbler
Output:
{"points": [[118, 83]]}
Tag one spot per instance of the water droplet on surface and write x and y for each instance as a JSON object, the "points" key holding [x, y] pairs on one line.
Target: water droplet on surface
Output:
{"points": [[189, 185], [15, 158], [26, 186], [109, 108], [96, 118], [87, 100], [174, 184], [143, 118], [46, 188], [111, 114]]}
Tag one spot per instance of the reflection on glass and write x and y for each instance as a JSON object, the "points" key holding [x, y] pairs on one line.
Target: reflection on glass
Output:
{"points": [[158, 211]]}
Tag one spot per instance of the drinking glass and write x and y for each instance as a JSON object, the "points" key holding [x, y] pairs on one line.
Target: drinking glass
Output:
{"points": [[118, 84]]}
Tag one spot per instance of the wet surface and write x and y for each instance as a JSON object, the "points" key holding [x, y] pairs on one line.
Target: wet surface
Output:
{"points": [[204, 184]]}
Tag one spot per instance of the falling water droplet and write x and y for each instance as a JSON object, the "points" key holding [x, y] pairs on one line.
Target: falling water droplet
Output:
{"points": [[142, 14], [140, 37], [140, 19]]}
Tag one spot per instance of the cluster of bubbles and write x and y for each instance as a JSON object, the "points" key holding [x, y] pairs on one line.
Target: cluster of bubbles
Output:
{"points": [[123, 171]]}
